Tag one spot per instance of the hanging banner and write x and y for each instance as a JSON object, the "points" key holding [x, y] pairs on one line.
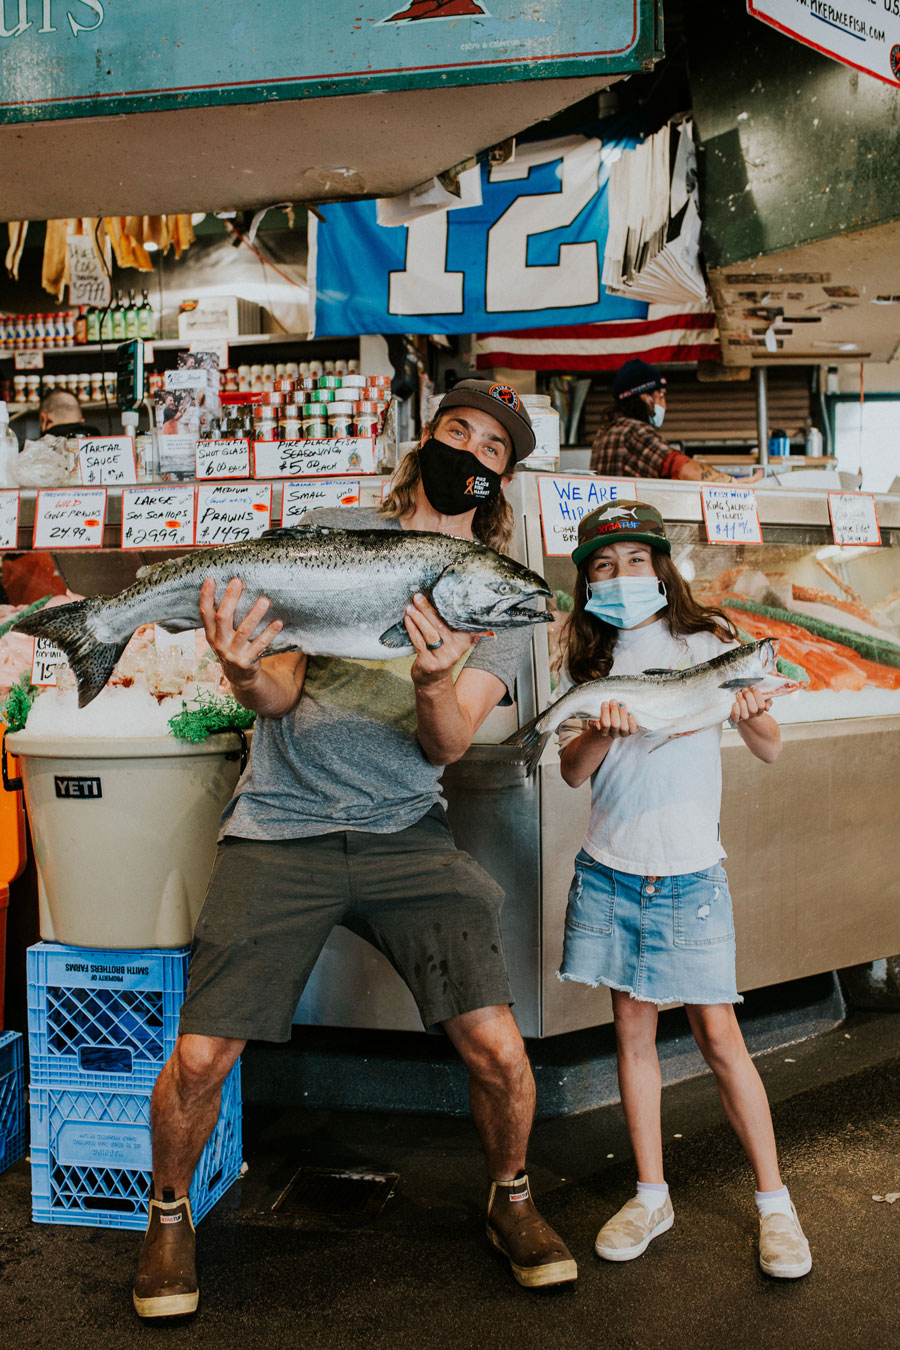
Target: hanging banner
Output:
{"points": [[530, 255], [855, 32]]}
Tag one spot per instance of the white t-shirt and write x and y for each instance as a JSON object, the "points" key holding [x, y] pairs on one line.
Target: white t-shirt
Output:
{"points": [[655, 812]]}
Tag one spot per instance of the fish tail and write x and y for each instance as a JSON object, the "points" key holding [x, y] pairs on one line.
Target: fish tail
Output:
{"points": [[92, 662], [531, 739]]}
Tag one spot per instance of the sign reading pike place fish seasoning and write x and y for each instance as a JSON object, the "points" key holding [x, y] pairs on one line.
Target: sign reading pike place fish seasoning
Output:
{"points": [[854, 519], [306, 494], [565, 500], [158, 517], [47, 656], [229, 513], [223, 459], [69, 519], [314, 458], [106, 459], [731, 515], [9, 519]]}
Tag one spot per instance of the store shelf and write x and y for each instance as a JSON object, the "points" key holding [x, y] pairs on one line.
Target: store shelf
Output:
{"points": [[172, 344]]}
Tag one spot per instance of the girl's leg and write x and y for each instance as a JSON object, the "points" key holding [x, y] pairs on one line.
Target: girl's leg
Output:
{"points": [[640, 1081], [721, 1044]]}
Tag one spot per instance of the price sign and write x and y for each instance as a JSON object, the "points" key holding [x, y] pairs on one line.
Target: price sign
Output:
{"points": [[319, 458], [232, 512], [305, 494], [223, 459], [106, 459], [731, 515], [9, 519], [854, 519], [47, 657], [88, 279], [32, 360], [67, 519], [158, 517], [565, 500]]}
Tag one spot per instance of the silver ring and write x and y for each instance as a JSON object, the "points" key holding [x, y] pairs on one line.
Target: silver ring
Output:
{"points": [[433, 646]]}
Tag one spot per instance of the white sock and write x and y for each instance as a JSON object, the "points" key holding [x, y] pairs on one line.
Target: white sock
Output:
{"points": [[773, 1202], [652, 1193]]}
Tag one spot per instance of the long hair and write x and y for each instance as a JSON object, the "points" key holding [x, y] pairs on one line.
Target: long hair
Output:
{"points": [[591, 642], [633, 407], [493, 523]]}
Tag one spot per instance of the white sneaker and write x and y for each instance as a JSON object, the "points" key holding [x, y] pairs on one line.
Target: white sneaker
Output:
{"points": [[629, 1233], [783, 1248]]}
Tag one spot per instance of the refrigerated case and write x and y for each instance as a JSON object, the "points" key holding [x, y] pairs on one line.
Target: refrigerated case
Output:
{"points": [[812, 840]]}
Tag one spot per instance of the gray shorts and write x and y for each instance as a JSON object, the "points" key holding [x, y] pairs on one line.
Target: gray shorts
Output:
{"points": [[428, 907]]}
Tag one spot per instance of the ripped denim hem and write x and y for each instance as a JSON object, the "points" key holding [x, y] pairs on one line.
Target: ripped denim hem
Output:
{"points": [[642, 998]]}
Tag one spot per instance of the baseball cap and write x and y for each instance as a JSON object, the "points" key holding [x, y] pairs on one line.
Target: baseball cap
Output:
{"points": [[635, 522], [502, 402], [637, 377]]}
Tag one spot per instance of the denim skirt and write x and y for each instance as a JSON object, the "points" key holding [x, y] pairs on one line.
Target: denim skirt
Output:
{"points": [[659, 939]]}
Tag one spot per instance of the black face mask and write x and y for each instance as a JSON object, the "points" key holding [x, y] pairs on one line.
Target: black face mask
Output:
{"points": [[455, 481]]}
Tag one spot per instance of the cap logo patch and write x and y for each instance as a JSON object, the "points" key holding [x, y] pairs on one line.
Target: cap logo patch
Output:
{"points": [[506, 395]]}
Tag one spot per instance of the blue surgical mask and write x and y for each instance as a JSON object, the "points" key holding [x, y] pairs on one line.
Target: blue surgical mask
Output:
{"points": [[658, 415], [625, 602]]}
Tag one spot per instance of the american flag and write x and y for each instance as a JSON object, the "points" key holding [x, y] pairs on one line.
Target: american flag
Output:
{"points": [[667, 334]]}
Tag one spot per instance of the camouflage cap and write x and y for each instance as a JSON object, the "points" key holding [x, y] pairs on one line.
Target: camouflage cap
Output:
{"points": [[634, 522]]}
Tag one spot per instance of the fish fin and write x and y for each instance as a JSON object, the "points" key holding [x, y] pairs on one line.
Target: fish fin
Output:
{"points": [[395, 636], [744, 683], [147, 570], [296, 531], [532, 740], [92, 662], [177, 625], [658, 670]]}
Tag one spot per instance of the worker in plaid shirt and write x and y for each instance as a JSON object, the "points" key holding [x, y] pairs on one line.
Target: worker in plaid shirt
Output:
{"points": [[630, 446]]}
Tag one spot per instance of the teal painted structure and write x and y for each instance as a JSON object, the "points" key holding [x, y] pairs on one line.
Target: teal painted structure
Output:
{"points": [[793, 146], [82, 58]]}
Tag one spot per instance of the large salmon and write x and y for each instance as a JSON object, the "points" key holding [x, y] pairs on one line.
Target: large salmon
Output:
{"points": [[338, 593]]}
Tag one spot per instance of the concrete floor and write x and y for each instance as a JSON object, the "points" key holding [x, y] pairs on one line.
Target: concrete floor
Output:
{"points": [[422, 1275]]}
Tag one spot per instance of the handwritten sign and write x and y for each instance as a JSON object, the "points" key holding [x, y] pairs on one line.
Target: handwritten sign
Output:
{"points": [[9, 519], [731, 515], [305, 494], [223, 459], [565, 500], [232, 512], [66, 519], [106, 459], [88, 279], [854, 519], [319, 458], [47, 656], [157, 517], [29, 360]]}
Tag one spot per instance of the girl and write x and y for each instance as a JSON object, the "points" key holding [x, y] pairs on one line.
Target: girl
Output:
{"points": [[649, 913]]}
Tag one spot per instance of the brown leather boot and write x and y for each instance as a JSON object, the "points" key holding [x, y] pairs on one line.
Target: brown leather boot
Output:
{"points": [[166, 1281], [537, 1255]]}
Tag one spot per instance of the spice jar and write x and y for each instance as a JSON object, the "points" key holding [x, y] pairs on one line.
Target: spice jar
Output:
{"points": [[315, 421], [367, 419], [340, 419], [96, 394], [350, 381], [282, 384], [292, 424], [32, 388], [267, 429], [273, 398]]}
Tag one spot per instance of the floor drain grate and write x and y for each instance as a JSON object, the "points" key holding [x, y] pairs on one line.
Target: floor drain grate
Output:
{"points": [[331, 1192]]}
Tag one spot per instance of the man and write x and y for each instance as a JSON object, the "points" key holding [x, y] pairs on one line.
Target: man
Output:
{"points": [[629, 446], [60, 415], [337, 820]]}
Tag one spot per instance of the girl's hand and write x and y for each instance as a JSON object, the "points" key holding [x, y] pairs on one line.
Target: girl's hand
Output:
{"points": [[614, 720], [749, 703]]}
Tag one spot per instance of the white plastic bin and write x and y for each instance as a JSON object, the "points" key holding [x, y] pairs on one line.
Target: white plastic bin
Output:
{"points": [[124, 833]]}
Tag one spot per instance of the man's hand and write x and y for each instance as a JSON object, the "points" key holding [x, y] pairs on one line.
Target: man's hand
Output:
{"points": [[234, 644], [438, 648]]}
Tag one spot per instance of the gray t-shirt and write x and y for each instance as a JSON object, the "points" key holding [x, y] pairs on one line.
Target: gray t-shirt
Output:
{"points": [[347, 756]]}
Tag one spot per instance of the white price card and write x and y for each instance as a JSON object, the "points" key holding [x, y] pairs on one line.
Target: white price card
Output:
{"points": [[223, 459], [29, 360], [69, 518], [89, 282], [731, 515], [9, 519], [106, 459], [228, 513], [301, 459], [47, 656], [854, 519], [158, 517], [565, 500], [305, 494]]}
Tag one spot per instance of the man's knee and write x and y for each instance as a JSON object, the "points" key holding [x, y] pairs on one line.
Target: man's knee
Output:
{"points": [[202, 1063], [491, 1045]]}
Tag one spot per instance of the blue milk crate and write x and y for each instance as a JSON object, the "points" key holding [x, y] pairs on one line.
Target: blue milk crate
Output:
{"points": [[91, 1161], [12, 1099], [102, 1019]]}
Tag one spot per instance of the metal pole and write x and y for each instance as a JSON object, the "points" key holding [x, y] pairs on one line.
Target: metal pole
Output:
{"points": [[762, 415]]}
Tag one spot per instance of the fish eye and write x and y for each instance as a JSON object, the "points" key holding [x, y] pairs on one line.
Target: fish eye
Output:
{"points": [[504, 588]]}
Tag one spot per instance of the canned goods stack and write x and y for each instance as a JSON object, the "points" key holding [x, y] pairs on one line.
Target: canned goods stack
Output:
{"points": [[289, 407], [28, 332]]}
